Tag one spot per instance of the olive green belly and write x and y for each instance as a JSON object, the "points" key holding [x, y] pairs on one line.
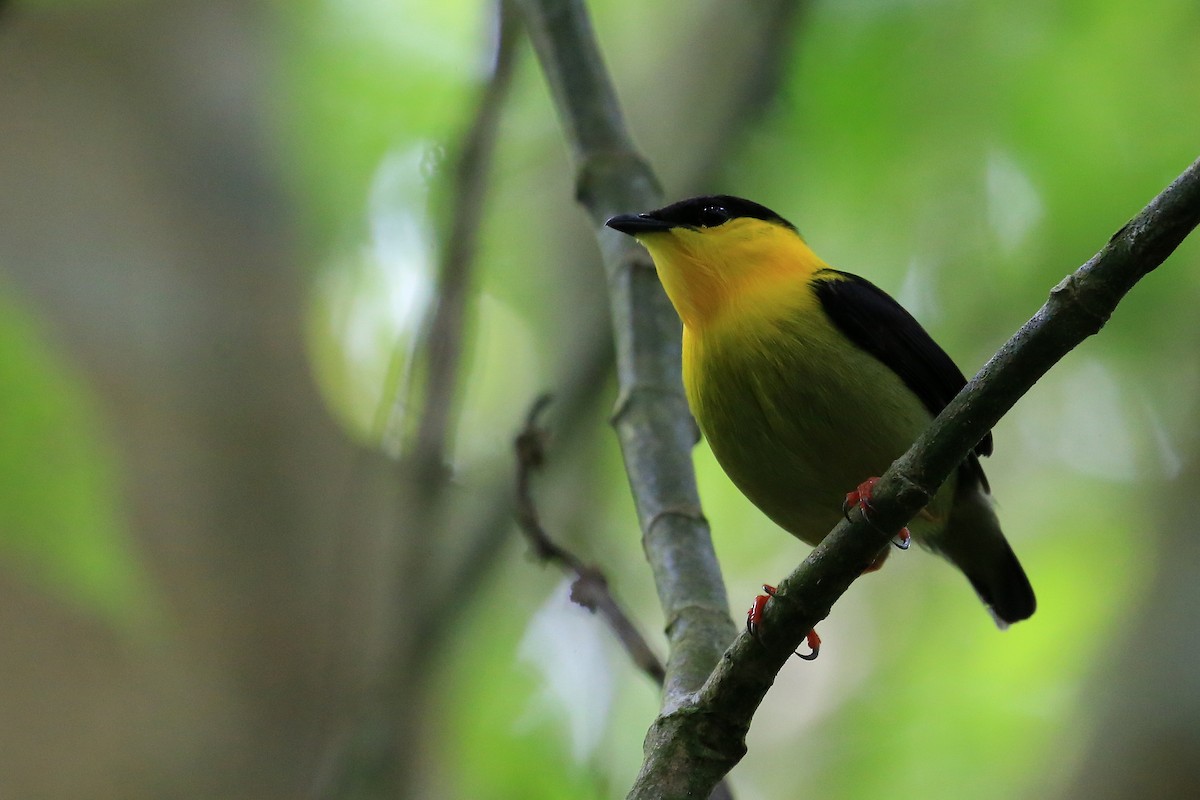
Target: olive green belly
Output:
{"points": [[799, 423]]}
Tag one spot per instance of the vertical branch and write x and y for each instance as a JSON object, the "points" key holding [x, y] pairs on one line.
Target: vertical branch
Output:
{"points": [[651, 418]]}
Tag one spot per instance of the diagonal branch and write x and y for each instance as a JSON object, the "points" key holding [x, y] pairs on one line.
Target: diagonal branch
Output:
{"points": [[690, 748]]}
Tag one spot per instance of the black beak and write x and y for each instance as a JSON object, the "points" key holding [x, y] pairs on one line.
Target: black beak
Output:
{"points": [[633, 224]]}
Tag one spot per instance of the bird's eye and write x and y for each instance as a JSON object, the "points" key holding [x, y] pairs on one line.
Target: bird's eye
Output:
{"points": [[712, 216]]}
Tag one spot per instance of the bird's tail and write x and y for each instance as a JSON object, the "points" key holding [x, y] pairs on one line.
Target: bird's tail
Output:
{"points": [[973, 541]]}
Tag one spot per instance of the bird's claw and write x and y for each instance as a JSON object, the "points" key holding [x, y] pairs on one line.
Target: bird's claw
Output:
{"points": [[754, 624], [814, 646], [754, 615], [861, 498]]}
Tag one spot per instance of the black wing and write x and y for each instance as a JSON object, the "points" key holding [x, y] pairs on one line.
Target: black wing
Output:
{"points": [[870, 318]]}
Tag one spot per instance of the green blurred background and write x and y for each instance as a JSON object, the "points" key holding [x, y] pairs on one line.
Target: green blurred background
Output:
{"points": [[226, 573]]}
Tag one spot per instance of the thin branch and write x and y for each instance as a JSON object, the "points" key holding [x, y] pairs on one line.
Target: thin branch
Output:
{"points": [[491, 529], [690, 748], [651, 418], [590, 588], [443, 339]]}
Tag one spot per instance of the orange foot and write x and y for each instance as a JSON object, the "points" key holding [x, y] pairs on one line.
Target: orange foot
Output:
{"points": [[754, 623], [861, 498]]}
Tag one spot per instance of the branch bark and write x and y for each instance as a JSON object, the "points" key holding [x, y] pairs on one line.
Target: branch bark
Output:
{"points": [[691, 747], [590, 587], [651, 418]]}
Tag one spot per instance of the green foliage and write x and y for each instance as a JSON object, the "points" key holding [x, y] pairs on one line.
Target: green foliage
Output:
{"points": [[962, 155], [363, 79], [965, 156], [60, 518]]}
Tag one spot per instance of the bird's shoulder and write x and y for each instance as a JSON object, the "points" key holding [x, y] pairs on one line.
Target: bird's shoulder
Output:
{"points": [[871, 319]]}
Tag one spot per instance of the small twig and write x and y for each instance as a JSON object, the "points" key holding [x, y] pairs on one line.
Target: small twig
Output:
{"points": [[590, 587], [487, 533]]}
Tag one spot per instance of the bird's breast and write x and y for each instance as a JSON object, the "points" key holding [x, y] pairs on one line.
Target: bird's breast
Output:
{"points": [[795, 413]]}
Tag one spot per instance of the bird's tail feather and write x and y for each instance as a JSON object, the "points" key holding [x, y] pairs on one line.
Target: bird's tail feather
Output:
{"points": [[973, 541]]}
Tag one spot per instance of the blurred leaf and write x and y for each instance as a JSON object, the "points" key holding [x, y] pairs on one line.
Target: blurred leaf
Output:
{"points": [[371, 303], [364, 78], [60, 516], [505, 741]]}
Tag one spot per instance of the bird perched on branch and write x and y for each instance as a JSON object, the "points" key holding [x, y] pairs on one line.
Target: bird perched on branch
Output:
{"points": [[806, 381]]}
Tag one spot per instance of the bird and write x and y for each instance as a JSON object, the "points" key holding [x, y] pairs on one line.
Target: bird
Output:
{"points": [[805, 380]]}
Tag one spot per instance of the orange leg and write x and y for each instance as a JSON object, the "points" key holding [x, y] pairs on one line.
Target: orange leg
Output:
{"points": [[861, 498], [754, 623], [754, 615]]}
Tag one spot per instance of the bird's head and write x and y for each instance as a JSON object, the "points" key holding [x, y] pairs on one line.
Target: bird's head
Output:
{"points": [[710, 250]]}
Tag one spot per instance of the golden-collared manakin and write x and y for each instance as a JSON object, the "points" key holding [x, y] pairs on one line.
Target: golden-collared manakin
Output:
{"points": [[806, 381]]}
